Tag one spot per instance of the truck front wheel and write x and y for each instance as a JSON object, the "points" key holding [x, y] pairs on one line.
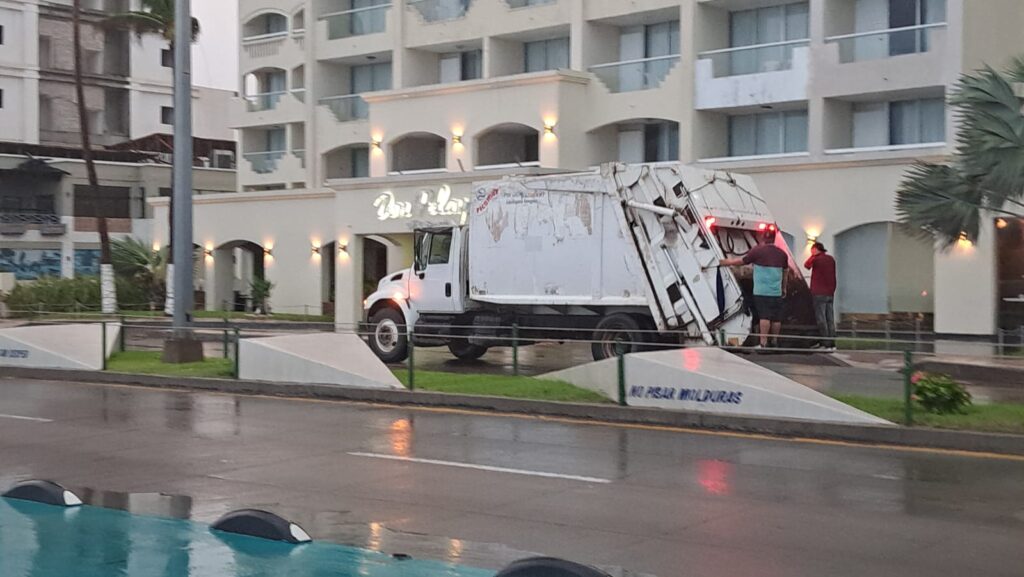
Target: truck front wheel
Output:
{"points": [[388, 338], [616, 334], [463, 350]]}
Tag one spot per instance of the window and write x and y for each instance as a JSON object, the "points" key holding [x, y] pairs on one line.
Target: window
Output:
{"points": [[770, 133], [917, 121], [45, 55], [661, 142], [1, 35], [904, 13], [360, 158], [108, 201], [546, 54], [1, 97], [655, 44], [458, 66], [167, 58], [765, 26], [440, 248], [166, 115]]}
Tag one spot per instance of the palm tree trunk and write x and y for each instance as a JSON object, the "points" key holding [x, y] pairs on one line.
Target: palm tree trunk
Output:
{"points": [[108, 290]]}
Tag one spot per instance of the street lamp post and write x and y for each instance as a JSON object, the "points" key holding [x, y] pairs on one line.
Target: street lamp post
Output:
{"points": [[182, 347]]}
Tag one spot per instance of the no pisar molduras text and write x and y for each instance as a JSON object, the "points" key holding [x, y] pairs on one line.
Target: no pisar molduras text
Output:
{"points": [[692, 395], [13, 354]]}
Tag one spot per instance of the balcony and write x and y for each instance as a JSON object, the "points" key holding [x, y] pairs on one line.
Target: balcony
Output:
{"points": [[346, 108], [272, 168], [264, 162], [356, 22], [897, 59], [275, 49], [753, 75], [17, 224], [440, 10], [634, 75], [300, 153], [279, 107]]}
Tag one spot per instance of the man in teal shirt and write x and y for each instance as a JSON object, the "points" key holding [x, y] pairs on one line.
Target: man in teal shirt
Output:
{"points": [[770, 263]]}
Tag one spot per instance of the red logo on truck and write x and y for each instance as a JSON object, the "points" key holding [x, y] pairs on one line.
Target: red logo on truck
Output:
{"points": [[487, 201]]}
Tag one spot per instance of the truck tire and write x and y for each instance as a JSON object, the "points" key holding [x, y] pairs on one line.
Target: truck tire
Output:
{"points": [[463, 350], [616, 334], [548, 567], [388, 339]]}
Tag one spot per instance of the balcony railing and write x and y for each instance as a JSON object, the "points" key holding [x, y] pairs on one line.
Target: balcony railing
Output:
{"points": [[527, 3], [300, 153], [299, 94], [29, 218], [264, 45], [357, 22], [347, 108], [879, 44], [440, 10], [264, 162], [265, 101], [632, 75], [753, 59]]}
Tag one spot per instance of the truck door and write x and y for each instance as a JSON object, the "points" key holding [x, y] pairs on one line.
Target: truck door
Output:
{"points": [[435, 286]]}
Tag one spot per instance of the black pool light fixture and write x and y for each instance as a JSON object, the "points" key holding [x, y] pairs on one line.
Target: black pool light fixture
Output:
{"points": [[46, 492]]}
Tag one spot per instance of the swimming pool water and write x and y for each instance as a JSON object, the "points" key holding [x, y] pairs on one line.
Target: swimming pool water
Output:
{"points": [[45, 541]]}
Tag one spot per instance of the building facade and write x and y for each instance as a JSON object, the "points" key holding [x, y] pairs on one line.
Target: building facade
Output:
{"points": [[128, 79], [360, 119]]}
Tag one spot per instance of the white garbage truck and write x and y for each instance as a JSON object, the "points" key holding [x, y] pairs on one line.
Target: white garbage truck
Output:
{"points": [[624, 256]]}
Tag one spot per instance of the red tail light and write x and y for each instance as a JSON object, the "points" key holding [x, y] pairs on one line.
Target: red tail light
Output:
{"points": [[710, 221], [763, 226]]}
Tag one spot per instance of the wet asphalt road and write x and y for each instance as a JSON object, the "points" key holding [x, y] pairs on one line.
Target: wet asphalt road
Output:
{"points": [[667, 503]]}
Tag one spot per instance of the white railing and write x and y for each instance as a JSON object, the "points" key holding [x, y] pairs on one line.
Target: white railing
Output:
{"points": [[300, 153], [347, 107], [264, 101], [264, 162], [299, 94], [440, 10], [887, 148], [528, 3], [268, 37], [264, 45], [753, 59], [356, 22], [877, 44], [632, 75]]}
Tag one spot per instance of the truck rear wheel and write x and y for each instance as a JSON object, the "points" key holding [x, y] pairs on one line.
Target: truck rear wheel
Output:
{"points": [[388, 338], [616, 334], [462, 349]]}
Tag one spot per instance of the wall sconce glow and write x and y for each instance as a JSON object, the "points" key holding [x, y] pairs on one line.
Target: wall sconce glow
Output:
{"points": [[1001, 223], [342, 247], [457, 139], [268, 251], [375, 142], [156, 247], [549, 130], [208, 252], [964, 242], [316, 249]]}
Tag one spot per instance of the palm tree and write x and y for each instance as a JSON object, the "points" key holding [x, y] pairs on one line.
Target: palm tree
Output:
{"points": [[157, 18], [108, 288], [985, 176]]}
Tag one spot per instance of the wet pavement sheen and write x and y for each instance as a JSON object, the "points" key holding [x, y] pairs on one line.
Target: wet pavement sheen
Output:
{"points": [[666, 503]]}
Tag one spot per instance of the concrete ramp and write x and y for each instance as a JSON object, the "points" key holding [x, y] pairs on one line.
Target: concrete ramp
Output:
{"points": [[319, 358], [713, 381], [73, 346]]}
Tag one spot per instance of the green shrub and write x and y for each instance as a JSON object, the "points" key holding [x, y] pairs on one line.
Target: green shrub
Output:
{"points": [[68, 295], [940, 394]]}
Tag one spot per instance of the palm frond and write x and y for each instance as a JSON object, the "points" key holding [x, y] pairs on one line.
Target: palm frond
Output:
{"points": [[939, 201], [141, 23]]}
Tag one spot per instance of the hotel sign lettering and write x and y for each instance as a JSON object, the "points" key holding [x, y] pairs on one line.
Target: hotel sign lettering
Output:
{"points": [[427, 203]]}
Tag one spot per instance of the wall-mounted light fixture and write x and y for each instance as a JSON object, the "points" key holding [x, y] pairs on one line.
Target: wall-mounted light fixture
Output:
{"points": [[268, 251], [342, 247], [375, 144], [456, 139], [549, 129], [208, 253], [316, 249], [1001, 223]]}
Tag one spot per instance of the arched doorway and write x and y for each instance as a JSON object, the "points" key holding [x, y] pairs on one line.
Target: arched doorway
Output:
{"points": [[236, 264], [418, 151], [884, 268]]}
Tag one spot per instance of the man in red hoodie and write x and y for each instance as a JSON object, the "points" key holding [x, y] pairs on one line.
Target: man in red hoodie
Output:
{"points": [[823, 289]]}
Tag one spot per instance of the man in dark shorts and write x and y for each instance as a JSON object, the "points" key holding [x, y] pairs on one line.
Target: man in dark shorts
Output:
{"points": [[770, 264]]}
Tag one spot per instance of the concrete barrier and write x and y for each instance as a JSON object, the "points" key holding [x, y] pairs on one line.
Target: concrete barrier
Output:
{"points": [[72, 346], [321, 358], [711, 380]]}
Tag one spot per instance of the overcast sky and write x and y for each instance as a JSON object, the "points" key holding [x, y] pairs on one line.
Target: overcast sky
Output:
{"points": [[215, 57]]}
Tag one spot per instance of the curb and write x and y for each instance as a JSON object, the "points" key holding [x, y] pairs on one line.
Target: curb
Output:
{"points": [[1004, 444]]}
